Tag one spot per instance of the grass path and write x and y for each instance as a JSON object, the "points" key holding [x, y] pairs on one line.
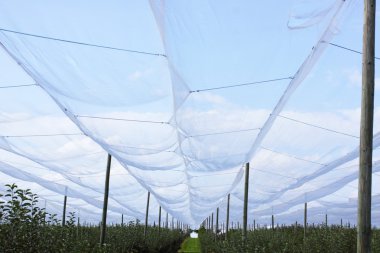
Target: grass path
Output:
{"points": [[190, 245]]}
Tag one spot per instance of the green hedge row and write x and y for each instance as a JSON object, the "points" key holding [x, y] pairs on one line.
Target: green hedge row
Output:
{"points": [[24, 227]]}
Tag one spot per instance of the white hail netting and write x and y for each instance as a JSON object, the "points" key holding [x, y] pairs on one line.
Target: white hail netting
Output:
{"points": [[142, 81]]}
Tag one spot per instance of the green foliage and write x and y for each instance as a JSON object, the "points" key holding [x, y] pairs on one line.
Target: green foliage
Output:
{"points": [[334, 239], [24, 227]]}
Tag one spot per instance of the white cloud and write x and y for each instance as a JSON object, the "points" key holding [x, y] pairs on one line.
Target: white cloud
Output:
{"points": [[355, 78], [208, 97], [135, 75]]}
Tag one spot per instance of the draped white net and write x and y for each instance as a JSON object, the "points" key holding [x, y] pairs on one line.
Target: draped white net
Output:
{"points": [[182, 94]]}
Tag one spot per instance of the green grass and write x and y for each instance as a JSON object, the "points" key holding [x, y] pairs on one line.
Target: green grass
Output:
{"points": [[190, 245]]}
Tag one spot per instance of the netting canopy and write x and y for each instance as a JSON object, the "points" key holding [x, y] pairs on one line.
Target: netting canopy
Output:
{"points": [[182, 94]]}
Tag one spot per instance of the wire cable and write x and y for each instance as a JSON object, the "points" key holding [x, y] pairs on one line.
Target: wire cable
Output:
{"points": [[121, 119], [215, 174], [243, 84], [148, 149], [349, 49], [323, 128], [82, 43], [39, 135], [274, 173], [18, 86], [227, 132], [292, 156]]}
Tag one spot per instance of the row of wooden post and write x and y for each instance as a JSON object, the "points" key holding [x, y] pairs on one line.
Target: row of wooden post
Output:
{"points": [[365, 167], [364, 228], [105, 206], [366, 140], [209, 221]]}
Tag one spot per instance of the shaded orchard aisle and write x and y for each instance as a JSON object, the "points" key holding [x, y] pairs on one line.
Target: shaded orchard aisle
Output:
{"points": [[190, 245]]}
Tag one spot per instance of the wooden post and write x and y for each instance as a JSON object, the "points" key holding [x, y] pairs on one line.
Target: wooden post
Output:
{"points": [[159, 220], [146, 216], [217, 223], [78, 225], [326, 220], [228, 215], [305, 221], [45, 213], [272, 222], [64, 209], [245, 213], [167, 220], [122, 219], [212, 222], [254, 225], [105, 202], [366, 129]]}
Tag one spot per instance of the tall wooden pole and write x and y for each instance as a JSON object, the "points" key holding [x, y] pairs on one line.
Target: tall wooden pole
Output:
{"points": [[217, 223], [245, 213], [64, 208], [146, 216], [105, 202], [272, 222], [305, 221], [122, 219], [212, 222], [159, 220], [167, 220], [78, 225], [326, 219], [366, 129], [45, 213], [228, 215]]}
